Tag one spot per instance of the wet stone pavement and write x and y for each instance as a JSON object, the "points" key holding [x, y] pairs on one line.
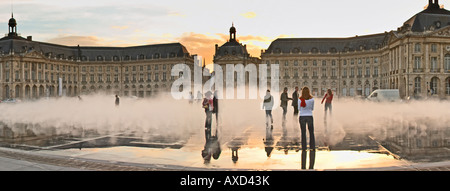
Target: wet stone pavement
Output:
{"points": [[251, 149]]}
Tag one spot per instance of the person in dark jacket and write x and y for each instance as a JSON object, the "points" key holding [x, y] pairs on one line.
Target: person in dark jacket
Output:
{"points": [[216, 107], [284, 102], [117, 101], [294, 104], [207, 104]]}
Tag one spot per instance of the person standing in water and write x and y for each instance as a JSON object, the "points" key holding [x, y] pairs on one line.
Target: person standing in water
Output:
{"points": [[295, 97], [267, 106], [328, 99], [117, 100], [306, 107], [209, 107], [284, 103]]}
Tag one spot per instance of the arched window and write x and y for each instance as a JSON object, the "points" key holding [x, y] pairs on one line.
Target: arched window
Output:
{"points": [[447, 86], [434, 85], [99, 58]]}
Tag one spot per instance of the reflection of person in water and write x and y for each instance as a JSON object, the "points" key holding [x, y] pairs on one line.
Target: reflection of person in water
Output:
{"points": [[211, 148], [234, 154], [312, 159], [268, 142]]}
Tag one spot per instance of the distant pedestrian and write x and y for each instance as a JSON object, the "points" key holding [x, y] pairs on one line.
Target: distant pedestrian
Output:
{"points": [[79, 98], [216, 107], [284, 102], [306, 107], [294, 104], [267, 106], [117, 101], [191, 98], [328, 98], [208, 105]]}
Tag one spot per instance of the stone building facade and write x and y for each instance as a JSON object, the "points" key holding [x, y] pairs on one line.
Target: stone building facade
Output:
{"points": [[31, 69], [233, 53], [414, 59]]}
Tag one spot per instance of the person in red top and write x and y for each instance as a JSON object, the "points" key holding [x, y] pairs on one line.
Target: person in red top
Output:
{"points": [[328, 99]]}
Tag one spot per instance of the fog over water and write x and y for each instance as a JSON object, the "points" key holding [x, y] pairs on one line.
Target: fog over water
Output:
{"points": [[167, 116]]}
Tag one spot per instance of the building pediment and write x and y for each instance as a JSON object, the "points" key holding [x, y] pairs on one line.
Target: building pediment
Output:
{"points": [[443, 32], [33, 54]]}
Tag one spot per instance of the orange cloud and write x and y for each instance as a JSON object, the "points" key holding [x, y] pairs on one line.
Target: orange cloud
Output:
{"points": [[204, 45], [196, 43], [120, 27], [249, 15], [77, 40], [73, 40], [201, 44]]}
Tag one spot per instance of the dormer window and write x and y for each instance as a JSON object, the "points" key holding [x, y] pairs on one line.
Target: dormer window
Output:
{"points": [[156, 56], [115, 58], [314, 50], [99, 58], [127, 57], [141, 57], [333, 50]]}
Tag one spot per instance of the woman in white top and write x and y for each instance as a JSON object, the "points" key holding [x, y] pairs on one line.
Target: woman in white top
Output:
{"points": [[306, 107]]}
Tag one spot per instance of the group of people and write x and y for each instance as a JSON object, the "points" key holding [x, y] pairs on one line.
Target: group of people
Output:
{"points": [[211, 105], [302, 103]]}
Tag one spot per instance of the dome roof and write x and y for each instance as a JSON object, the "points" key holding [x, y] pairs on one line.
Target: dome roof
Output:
{"points": [[12, 22], [232, 29]]}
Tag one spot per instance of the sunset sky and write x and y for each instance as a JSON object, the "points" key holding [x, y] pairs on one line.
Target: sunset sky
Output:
{"points": [[200, 24]]}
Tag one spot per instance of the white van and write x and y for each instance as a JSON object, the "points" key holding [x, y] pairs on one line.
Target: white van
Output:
{"points": [[385, 95]]}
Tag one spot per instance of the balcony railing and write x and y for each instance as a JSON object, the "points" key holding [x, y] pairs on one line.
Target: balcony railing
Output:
{"points": [[416, 70], [435, 70]]}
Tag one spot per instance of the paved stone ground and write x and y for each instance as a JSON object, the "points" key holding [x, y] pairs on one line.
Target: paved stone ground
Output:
{"points": [[66, 163], [18, 160]]}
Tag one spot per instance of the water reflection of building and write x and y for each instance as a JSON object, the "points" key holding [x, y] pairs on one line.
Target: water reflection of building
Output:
{"points": [[31, 69], [419, 141], [415, 59]]}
